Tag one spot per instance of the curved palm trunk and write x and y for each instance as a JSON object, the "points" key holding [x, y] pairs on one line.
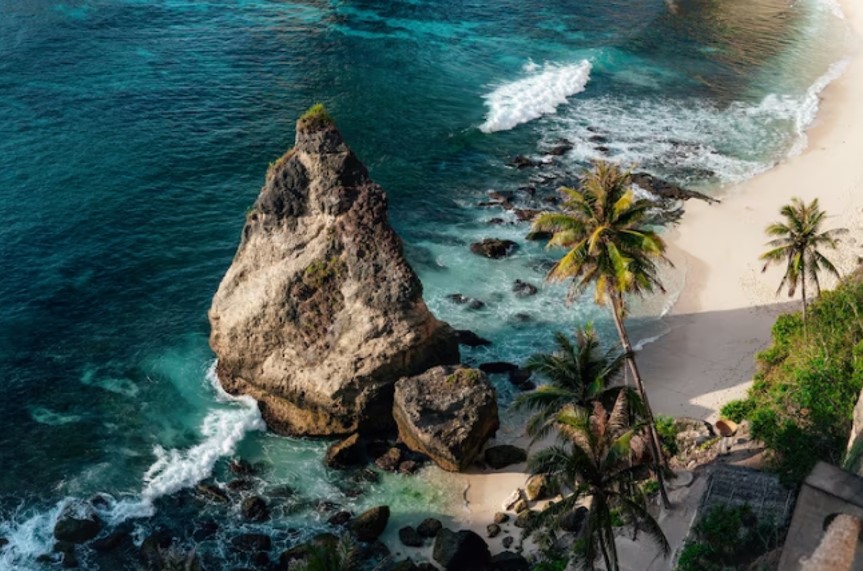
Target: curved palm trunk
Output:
{"points": [[803, 293], [655, 446]]}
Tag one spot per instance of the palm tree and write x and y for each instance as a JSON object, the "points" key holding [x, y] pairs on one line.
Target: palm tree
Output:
{"points": [[599, 463], [577, 373], [796, 243], [343, 556], [612, 246]]}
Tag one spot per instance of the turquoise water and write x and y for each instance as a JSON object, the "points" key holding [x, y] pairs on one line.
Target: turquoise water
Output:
{"points": [[135, 133]]}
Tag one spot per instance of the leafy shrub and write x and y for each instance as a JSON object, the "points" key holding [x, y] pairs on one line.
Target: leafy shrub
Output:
{"points": [[727, 538], [737, 410], [808, 381], [667, 430], [316, 117]]}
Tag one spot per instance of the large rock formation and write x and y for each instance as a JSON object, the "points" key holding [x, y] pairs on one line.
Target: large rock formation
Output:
{"points": [[319, 313], [446, 413]]}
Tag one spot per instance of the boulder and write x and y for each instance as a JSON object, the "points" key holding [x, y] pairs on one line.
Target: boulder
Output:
{"points": [[513, 499], [525, 518], [211, 493], [509, 561], [470, 339], [461, 551], [537, 488], [370, 524], [345, 453], [507, 541], [339, 518], [504, 455], [320, 313], [77, 524], [241, 467], [561, 148], [574, 520], [410, 537], [494, 248], [390, 460], [429, 527], [501, 517], [520, 377], [446, 413], [522, 162], [524, 289], [255, 508], [493, 530]]}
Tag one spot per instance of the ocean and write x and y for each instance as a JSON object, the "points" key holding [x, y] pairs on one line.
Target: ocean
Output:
{"points": [[134, 134]]}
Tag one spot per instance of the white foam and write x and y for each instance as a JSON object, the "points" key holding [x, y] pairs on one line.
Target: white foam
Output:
{"points": [[807, 110], [175, 470], [29, 536], [834, 7], [538, 94]]}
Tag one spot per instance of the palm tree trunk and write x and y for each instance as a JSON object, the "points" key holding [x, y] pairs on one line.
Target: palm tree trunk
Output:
{"points": [[803, 292], [655, 446]]}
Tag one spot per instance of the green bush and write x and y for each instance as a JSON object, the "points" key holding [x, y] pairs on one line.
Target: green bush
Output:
{"points": [[667, 430], [316, 117], [727, 538], [808, 381], [737, 410]]}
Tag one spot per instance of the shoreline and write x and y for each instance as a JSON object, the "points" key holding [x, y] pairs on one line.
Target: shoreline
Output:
{"points": [[726, 308]]}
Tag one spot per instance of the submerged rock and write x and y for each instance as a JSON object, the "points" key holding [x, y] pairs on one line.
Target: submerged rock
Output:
{"points": [[446, 413], [77, 524], [255, 508], [320, 313]]}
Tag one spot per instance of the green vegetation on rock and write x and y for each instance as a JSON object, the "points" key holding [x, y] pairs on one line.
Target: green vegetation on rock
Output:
{"points": [[464, 376], [315, 118], [808, 381]]}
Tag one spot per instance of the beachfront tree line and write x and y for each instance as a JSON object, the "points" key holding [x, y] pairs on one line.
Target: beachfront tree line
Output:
{"points": [[606, 432]]}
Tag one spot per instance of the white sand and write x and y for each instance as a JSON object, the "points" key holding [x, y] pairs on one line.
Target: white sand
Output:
{"points": [[727, 306]]}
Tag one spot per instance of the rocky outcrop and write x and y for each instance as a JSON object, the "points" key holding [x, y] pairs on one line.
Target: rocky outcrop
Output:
{"points": [[446, 413], [369, 525], [320, 313]]}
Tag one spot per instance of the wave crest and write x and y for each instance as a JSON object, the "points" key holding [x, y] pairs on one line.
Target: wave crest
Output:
{"points": [[532, 97]]}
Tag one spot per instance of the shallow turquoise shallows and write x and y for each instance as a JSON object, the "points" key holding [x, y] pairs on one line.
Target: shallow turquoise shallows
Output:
{"points": [[134, 134]]}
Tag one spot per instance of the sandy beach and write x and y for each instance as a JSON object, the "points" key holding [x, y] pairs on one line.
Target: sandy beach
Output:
{"points": [[727, 306]]}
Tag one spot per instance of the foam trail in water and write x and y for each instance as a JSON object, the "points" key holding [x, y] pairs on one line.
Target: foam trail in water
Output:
{"points": [[532, 97], [175, 470], [807, 110]]}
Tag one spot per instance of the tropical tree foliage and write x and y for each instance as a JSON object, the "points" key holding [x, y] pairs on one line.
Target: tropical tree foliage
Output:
{"points": [[797, 243], [599, 461], [611, 245], [344, 557], [577, 372]]}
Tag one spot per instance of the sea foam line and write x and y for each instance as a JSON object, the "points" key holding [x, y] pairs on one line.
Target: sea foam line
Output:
{"points": [[175, 469], [536, 95]]}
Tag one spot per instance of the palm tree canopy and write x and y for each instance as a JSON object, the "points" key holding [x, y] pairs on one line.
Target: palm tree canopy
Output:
{"points": [[607, 232], [599, 460], [796, 243], [576, 373]]}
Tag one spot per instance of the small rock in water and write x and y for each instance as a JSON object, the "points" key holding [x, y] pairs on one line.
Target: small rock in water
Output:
{"points": [[429, 527], [366, 475], [255, 509], [470, 339], [390, 461], [241, 467], [498, 367], [496, 221], [519, 376], [3, 543], [340, 518], [561, 148], [522, 162], [212, 493], [408, 467], [493, 530], [507, 542], [345, 453], [369, 525], [526, 214], [240, 485], [75, 527], [524, 289], [410, 537], [494, 248]]}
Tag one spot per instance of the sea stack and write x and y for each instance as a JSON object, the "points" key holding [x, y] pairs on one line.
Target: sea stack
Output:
{"points": [[320, 314]]}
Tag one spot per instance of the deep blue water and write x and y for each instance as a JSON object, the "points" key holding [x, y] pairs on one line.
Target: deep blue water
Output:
{"points": [[135, 133]]}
